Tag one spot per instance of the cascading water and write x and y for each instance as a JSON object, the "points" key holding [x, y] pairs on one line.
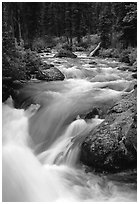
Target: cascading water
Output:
{"points": [[41, 145]]}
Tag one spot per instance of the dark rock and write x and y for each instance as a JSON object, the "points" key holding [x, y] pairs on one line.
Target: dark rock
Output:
{"points": [[39, 50], [123, 68], [45, 66], [132, 69], [65, 53], [112, 145], [93, 62], [135, 86], [51, 74], [134, 75], [92, 114], [128, 68], [47, 50]]}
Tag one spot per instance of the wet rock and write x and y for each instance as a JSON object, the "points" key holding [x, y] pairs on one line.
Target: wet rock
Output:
{"points": [[65, 53], [100, 110], [92, 114], [132, 69], [128, 68], [123, 68], [112, 145], [93, 62], [51, 74], [134, 75], [46, 66]]}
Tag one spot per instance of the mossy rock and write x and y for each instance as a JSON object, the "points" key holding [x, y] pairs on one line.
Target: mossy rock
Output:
{"points": [[111, 146], [65, 53]]}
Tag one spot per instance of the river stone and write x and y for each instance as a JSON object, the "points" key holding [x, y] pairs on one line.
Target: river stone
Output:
{"points": [[111, 146], [45, 66], [128, 68], [93, 62], [123, 68], [134, 75], [65, 53], [51, 74]]}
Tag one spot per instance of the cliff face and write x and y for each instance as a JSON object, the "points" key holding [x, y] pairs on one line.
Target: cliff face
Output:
{"points": [[112, 145]]}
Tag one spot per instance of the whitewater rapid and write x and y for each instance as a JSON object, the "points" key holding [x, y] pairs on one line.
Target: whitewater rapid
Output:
{"points": [[41, 141]]}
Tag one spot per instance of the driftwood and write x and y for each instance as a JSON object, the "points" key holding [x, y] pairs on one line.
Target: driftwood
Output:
{"points": [[94, 52]]}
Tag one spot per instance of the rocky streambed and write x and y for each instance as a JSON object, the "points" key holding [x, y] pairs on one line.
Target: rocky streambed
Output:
{"points": [[112, 145]]}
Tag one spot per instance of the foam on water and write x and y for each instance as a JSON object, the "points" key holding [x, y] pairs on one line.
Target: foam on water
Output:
{"points": [[41, 145]]}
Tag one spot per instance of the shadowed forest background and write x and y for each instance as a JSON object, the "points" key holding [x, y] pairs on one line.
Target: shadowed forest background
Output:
{"points": [[30, 28]]}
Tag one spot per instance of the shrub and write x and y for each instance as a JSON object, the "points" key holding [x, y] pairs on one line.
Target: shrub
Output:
{"points": [[32, 62], [128, 55], [124, 56], [106, 52], [91, 39], [42, 43], [13, 64], [83, 44], [78, 49], [38, 44], [133, 56], [87, 42], [115, 53]]}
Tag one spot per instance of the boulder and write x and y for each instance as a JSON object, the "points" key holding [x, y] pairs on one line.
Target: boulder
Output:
{"points": [[134, 75], [45, 66], [65, 53], [111, 146], [51, 74]]}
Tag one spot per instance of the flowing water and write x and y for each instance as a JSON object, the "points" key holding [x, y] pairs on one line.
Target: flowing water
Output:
{"points": [[41, 143]]}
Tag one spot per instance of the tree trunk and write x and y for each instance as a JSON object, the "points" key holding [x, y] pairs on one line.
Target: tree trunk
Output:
{"points": [[95, 51]]}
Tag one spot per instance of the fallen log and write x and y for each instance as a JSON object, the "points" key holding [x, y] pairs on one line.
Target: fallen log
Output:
{"points": [[94, 52]]}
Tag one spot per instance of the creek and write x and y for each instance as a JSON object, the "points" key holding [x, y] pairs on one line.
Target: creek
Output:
{"points": [[41, 144]]}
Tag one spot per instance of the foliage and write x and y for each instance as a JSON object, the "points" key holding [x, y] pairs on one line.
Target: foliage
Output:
{"points": [[133, 56], [33, 22], [127, 55], [32, 62], [38, 44], [106, 52], [42, 43], [12, 61]]}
